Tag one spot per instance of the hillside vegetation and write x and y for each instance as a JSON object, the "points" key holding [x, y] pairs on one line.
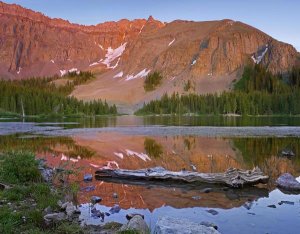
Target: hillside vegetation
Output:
{"points": [[152, 81], [258, 92], [38, 96]]}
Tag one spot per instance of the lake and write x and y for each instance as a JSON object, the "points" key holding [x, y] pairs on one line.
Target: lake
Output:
{"points": [[200, 143]]}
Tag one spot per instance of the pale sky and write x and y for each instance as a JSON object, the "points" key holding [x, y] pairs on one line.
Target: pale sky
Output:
{"points": [[278, 18]]}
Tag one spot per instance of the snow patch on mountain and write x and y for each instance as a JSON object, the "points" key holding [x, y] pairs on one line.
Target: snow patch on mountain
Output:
{"points": [[261, 56], [113, 54], [119, 155], [94, 64], [141, 74], [52, 61], [19, 70], [171, 42], [65, 72], [119, 75], [142, 29], [117, 63]]}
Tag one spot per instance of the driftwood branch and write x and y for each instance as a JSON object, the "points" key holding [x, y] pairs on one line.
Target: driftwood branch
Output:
{"points": [[232, 177]]}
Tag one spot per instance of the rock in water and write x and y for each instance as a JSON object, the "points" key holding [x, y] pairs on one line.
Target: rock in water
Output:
{"points": [[287, 153], [137, 224], [115, 209], [88, 177], [95, 199], [288, 182], [168, 225], [130, 216], [88, 188], [286, 202], [97, 213], [213, 212], [208, 224], [70, 209]]}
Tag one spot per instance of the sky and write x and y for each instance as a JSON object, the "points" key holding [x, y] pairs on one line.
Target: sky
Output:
{"points": [[278, 18]]}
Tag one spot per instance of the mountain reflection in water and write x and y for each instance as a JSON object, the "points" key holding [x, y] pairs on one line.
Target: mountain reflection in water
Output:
{"points": [[85, 151], [202, 154]]}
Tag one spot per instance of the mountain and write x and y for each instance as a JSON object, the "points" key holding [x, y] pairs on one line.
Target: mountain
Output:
{"points": [[209, 54]]}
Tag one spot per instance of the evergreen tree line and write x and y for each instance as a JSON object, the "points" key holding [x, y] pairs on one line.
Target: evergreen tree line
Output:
{"points": [[257, 78], [40, 96], [258, 92]]}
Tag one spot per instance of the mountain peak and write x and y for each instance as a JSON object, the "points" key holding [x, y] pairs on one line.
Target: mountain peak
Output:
{"points": [[150, 18]]}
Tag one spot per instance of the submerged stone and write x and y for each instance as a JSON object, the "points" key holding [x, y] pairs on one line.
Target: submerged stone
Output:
{"points": [[88, 177], [88, 188], [213, 212], [286, 202]]}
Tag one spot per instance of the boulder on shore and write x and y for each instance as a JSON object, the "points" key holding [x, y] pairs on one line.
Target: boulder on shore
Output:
{"points": [[168, 225], [288, 182], [136, 223]]}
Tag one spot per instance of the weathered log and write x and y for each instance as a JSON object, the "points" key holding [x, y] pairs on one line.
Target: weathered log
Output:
{"points": [[232, 177]]}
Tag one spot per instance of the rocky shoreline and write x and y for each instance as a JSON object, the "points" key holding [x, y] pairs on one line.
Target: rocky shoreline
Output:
{"points": [[64, 211], [136, 223]]}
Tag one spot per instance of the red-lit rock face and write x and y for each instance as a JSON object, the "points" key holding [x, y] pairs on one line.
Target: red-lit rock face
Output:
{"points": [[34, 45]]}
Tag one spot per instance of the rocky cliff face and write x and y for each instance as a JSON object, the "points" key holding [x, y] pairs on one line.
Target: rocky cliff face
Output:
{"points": [[32, 44], [208, 49]]}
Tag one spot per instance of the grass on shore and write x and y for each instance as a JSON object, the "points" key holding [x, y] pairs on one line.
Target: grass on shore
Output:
{"points": [[22, 206]]}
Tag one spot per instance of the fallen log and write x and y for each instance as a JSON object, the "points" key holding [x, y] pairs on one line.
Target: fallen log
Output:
{"points": [[235, 178]]}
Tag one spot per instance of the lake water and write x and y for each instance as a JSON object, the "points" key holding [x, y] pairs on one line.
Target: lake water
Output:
{"points": [[204, 144]]}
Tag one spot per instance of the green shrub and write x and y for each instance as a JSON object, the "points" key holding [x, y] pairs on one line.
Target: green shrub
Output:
{"points": [[19, 167], [69, 228], [8, 220], [43, 196], [152, 81], [16, 193]]}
